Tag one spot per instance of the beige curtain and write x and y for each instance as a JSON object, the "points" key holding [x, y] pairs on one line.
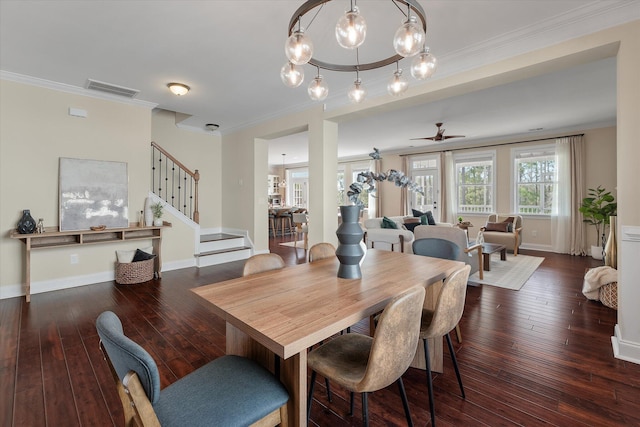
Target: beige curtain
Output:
{"points": [[568, 232], [448, 188]]}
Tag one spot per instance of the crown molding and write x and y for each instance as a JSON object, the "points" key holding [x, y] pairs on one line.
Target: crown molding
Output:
{"points": [[75, 90]]}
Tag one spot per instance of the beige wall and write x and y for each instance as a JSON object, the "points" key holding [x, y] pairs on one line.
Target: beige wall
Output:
{"points": [[36, 130]]}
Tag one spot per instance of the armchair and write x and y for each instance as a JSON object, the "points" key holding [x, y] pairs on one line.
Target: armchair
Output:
{"points": [[496, 230]]}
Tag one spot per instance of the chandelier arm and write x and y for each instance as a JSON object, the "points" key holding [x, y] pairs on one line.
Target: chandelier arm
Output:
{"points": [[355, 67]]}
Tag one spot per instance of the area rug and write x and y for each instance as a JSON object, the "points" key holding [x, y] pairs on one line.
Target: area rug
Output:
{"points": [[510, 274], [300, 244]]}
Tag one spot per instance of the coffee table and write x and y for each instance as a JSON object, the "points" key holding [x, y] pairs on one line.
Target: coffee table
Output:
{"points": [[492, 248]]}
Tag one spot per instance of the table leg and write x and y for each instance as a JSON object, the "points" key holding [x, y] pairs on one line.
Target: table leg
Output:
{"points": [[293, 371], [27, 271], [503, 254], [486, 258]]}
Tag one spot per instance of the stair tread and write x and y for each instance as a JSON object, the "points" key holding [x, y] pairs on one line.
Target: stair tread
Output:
{"points": [[218, 236], [221, 251]]}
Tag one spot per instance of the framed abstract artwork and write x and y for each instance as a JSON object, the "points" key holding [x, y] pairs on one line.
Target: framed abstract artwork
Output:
{"points": [[93, 193]]}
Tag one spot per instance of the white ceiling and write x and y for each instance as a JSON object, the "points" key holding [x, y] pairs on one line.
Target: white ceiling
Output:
{"points": [[230, 53]]}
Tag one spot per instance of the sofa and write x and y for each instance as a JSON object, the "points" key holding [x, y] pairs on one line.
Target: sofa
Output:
{"points": [[399, 239], [497, 231]]}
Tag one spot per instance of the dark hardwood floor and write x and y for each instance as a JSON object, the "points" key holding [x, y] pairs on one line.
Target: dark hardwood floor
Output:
{"points": [[538, 356]]}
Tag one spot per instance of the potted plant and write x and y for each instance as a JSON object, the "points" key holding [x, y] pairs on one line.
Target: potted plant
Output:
{"points": [[596, 210], [157, 209]]}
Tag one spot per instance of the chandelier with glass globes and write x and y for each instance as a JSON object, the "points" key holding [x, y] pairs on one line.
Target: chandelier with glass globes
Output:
{"points": [[351, 32]]}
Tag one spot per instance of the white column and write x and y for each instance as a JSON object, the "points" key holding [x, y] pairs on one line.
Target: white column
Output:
{"points": [[323, 189]]}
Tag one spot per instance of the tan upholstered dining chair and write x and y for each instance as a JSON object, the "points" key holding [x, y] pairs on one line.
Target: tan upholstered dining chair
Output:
{"points": [[441, 321], [364, 364], [321, 251], [262, 262]]}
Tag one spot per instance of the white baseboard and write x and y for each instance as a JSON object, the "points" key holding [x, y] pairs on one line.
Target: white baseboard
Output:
{"points": [[624, 350], [17, 290], [534, 247]]}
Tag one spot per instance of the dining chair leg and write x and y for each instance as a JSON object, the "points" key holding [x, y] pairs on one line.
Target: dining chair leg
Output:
{"points": [[310, 397], [351, 404], [455, 364], [458, 334], [405, 403], [365, 409], [429, 382], [326, 382]]}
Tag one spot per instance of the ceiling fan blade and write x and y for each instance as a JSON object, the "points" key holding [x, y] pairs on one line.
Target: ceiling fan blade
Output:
{"points": [[453, 136], [432, 138]]}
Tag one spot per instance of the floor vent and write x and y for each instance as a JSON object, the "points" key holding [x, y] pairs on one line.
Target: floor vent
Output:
{"points": [[112, 89]]}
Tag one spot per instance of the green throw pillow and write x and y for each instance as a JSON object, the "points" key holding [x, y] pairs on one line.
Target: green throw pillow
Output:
{"points": [[388, 223], [424, 220]]}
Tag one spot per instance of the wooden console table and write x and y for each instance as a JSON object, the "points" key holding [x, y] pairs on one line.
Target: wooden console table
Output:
{"points": [[52, 238]]}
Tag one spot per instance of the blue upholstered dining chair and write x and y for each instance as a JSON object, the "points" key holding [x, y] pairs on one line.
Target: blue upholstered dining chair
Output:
{"points": [[437, 248], [229, 391]]}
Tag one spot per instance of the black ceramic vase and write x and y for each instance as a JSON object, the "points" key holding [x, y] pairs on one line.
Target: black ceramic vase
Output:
{"points": [[349, 251], [27, 224]]}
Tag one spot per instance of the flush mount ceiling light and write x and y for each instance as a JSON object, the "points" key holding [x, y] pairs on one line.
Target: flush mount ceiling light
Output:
{"points": [[351, 31], [211, 127], [178, 88]]}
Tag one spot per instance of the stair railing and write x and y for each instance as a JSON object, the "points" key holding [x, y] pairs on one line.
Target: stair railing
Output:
{"points": [[174, 182]]}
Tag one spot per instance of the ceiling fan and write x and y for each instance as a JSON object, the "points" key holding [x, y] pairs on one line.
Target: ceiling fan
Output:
{"points": [[439, 136]]}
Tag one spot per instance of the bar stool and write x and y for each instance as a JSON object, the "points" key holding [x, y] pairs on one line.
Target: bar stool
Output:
{"points": [[284, 218], [272, 221]]}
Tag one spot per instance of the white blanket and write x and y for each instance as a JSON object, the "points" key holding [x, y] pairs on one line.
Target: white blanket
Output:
{"points": [[597, 277]]}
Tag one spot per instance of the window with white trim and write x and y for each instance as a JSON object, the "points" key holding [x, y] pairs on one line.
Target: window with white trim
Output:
{"points": [[475, 183], [535, 179]]}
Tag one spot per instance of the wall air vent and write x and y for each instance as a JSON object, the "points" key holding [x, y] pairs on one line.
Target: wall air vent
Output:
{"points": [[112, 89]]}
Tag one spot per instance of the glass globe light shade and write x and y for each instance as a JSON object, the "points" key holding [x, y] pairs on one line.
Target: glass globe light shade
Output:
{"points": [[318, 89], [398, 84], [357, 93], [424, 65], [292, 75], [409, 38], [298, 48], [351, 29]]}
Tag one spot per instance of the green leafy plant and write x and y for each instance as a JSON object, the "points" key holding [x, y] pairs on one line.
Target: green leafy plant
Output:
{"points": [[460, 219], [596, 210], [157, 209]]}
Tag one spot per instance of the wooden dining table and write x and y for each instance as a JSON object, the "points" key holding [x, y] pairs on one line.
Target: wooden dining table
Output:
{"points": [[287, 311]]}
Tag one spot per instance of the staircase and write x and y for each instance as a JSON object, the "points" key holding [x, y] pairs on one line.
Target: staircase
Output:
{"points": [[177, 187], [219, 248]]}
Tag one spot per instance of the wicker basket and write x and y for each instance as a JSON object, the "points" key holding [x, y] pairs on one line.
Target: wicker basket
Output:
{"points": [[609, 295], [134, 272]]}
